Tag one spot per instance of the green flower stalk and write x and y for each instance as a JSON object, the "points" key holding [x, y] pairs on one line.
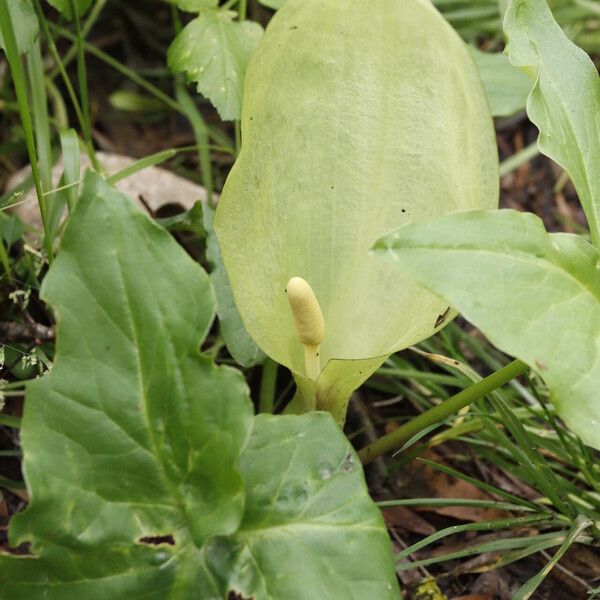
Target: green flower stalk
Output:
{"points": [[358, 117]]}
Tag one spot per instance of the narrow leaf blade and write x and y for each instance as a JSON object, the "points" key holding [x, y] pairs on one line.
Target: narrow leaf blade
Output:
{"points": [[239, 343], [25, 24], [565, 101]]}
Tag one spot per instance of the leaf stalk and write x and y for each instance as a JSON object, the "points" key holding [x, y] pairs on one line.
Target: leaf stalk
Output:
{"points": [[397, 438]]}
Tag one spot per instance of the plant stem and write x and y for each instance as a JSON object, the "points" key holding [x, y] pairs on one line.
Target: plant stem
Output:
{"points": [[59, 64], [16, 69], [242, 9], [90, 21], [10, 421], [83, 88], [4, 259], [312, 362], [201, 134], [115, 64], [196, 120], [519, 158], [215, 133], [438, 413], [267, 386]]}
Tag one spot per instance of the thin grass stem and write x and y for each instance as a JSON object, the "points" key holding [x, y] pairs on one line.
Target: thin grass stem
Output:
{"points": [[16, 68], [395, 439]]}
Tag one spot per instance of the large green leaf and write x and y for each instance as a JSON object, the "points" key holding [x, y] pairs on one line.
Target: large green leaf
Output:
{"points": [[506, 86], [535, 295], [565, 101], [65, 7], [25, 24], [148, 475], [132, 434], [358, 117], [214, 50], [309, 530]]}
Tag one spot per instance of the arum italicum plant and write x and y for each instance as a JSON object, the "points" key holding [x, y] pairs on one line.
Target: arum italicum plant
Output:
{"points": [[358, 117]]}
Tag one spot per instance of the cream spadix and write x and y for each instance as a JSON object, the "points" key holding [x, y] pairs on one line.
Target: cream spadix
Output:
{"points": [[309, 323], [358, 117]]}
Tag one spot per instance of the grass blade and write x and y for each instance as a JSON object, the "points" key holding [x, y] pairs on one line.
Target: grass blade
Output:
{"points": [[481, 526], [422, 502], [543, 541], [16, 69], [526, 590], [72, 164], [140, 165], [486, 487]]}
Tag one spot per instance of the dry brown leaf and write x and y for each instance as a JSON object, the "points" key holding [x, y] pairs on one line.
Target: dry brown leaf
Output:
{"points": [[424, 481], [157, 186], [404, 518]]}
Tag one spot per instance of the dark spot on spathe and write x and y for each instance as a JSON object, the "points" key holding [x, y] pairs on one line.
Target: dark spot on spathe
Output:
{"points": [[441, 318]]}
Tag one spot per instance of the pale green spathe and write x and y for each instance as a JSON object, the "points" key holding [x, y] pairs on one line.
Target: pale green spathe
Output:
{"points": [[358, 117]]}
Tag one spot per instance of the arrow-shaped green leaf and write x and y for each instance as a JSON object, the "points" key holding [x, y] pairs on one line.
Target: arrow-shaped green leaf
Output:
{"points": [[149, 477], [535, 295]]}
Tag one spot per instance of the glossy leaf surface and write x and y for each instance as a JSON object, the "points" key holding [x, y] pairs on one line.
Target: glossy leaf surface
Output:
{"points": [[309, 529]]}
